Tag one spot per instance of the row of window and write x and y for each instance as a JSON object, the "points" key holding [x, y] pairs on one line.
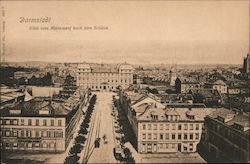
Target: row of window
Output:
{"points": [[170, 126], [162, 146], [172, 136], [103, 80], [29, 122], [32, 133], [29, 145], [104, 74]]}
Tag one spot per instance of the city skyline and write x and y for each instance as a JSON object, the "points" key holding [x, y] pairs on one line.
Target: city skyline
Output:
{"points": [[158, 32]]}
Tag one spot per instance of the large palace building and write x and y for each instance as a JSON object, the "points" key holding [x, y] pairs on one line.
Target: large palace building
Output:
{"points": [[104, 77]]}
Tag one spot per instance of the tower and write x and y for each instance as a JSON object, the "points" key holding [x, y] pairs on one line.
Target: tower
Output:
{"points": [[172, 76]]}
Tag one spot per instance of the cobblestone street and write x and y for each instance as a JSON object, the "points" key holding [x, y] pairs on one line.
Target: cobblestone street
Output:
{"points": [[103, 154]]}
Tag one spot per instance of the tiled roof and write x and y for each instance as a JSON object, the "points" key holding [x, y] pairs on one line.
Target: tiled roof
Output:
{"points": [[219, 82], [199, 113], [240, 119], [104, 68], [222, 112], [188, 80]]}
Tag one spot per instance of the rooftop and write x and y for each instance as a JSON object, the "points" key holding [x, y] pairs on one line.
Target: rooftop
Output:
{"points": [[199, 113], [104, 68], [219, 82], [241, 119]]}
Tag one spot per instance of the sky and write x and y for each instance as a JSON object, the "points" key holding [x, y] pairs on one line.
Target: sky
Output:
{"points": [[139, 32]]}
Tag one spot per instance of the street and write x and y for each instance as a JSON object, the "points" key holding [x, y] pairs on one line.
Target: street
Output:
{"points": [[101, 123]]}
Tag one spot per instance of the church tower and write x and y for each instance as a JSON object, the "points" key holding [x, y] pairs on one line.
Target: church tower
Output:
{"points": [[172, 76]]}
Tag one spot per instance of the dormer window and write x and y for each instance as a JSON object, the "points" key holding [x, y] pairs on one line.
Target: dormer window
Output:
{"points": [[154, 117]]}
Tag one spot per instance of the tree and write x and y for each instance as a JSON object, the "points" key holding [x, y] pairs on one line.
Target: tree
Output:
{"points": [[83, 130], [154, 91], [80, 139], [69, 81], [47, 79], [71, 159], [76, 149]]}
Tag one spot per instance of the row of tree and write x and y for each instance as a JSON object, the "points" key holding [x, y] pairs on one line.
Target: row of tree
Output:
{"points": [[80, 139]]}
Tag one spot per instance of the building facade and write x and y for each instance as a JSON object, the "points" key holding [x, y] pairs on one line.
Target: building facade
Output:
{"points": [[227, 136], [184, 85], [220, 86], [104, 77], [164, 130], [41, 126]]}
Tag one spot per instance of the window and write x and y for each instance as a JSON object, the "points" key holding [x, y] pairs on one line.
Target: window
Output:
{"points": [[36, 145], [143, 127], [173, 126], [167, 127], [7, 133], [155, 126], [37, 134], [185, 148], [14, 144], [143, 136], [51, 122], [37, 122], [15, 122], [173, 136], [173, 145], [44, 122], [167, 145], [196, 136], [59, 122], [149, 126], [149, 136], [14, 133], [11, 122], [28, 133], [191, 136], [185, 136], [7, 144], [29, 122], [22, 133], [191, 147], [59, 134], [52, 145], [154, 117], [179, 127], [161, 126], [167, 136], [161, 136], [197, 127], [185, 126], [52, 134], [7, 122], [179, 136], [44, 134], [191, 126], [22, 121], [155, 136], [44, 145]]}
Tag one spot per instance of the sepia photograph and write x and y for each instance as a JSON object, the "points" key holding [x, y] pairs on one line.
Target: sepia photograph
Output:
{"points": [[124, 81]]}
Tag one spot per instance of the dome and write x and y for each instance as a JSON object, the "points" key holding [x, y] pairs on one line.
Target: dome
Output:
{"points": [[126, 66], [83, 66]]}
